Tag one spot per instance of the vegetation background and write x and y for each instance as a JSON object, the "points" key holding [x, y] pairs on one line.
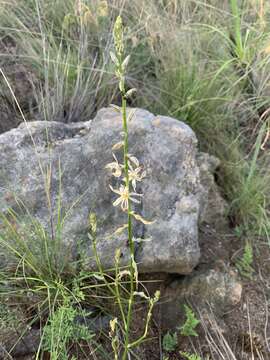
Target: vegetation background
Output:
{"points": [[204, 62]]}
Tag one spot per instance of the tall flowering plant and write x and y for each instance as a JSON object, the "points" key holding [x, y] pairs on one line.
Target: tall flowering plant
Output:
{"points": [[129, 172]]}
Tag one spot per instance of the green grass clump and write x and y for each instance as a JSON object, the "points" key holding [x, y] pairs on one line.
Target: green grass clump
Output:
{"points": [[65, 44]]}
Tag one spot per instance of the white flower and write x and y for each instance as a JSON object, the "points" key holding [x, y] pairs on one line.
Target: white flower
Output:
{"points": [[135, 175], [115, 167], [133, 159], [124, 197]]}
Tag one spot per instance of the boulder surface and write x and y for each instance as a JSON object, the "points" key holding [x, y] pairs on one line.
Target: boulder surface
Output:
{"points": [[48, 166]]}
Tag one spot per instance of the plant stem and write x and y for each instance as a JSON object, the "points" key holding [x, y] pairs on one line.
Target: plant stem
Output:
{"points": [[130, 241]]}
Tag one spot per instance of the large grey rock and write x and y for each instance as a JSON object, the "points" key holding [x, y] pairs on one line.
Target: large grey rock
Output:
{"points": [[78, 153]]}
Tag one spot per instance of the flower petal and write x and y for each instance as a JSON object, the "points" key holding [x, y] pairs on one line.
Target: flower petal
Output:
{"points": [[117, 201], [118, 146], [115, 190], [134, 160], [135, 200], [133, 182], [141, 219], [119, 230]]}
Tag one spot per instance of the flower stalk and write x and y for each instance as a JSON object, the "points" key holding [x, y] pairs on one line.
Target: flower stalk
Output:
{"points": [[120, 73], [128, 173]]}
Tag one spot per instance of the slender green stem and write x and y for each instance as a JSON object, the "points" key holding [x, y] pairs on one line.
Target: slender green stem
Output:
{"points": [[130, 240], [141, 339], [118, 296], [125, 128]]}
